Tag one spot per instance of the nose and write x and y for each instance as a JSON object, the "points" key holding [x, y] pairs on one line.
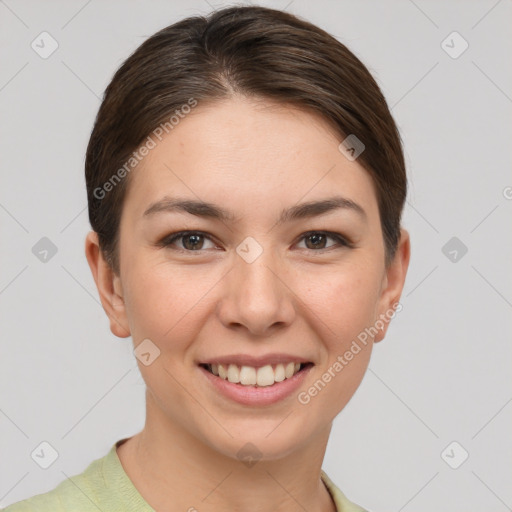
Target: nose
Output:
{"points": [[256, 296]]}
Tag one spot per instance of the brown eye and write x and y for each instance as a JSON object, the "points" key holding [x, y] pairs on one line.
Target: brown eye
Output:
{"points": [[317, 240], [193, 242], [190, 241]]}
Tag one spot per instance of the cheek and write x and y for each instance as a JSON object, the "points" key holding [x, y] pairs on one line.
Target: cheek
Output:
{"points": [[164, 305], [345, 299], [343, 306], [164, 300]]}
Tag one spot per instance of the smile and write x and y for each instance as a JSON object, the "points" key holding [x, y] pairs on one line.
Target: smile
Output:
{"points": [[261, 376], [255, 385]]}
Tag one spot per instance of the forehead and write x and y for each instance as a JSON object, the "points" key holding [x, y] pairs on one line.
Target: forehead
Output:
{"points": [[246, 153]]}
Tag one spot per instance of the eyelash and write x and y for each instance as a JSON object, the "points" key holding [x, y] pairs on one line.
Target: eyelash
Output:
{"points": [[170, 239]]}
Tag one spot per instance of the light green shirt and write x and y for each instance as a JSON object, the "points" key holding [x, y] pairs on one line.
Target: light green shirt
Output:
{"points": [[105, 486]]}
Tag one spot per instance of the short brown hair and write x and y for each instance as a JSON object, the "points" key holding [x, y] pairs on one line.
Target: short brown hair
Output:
{"points": [[251, 51]]}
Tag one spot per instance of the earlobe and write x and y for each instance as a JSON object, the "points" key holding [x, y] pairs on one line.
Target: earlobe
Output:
{"points": [[394, 281], [108, 285]]}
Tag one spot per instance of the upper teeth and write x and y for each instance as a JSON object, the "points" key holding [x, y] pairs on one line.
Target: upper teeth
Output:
{"points": [[250, 376]]}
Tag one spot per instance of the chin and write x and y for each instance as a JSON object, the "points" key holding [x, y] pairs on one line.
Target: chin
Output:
{"points": [[263, 440]]}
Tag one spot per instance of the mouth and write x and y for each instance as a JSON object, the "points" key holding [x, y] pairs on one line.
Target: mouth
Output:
{"points": [[256, 377]]}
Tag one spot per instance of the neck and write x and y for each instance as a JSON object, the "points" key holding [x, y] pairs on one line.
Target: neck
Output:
{"points": [[175, 471]]}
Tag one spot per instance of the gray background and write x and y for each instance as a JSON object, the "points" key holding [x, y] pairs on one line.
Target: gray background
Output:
{"points": [[443, 372]]}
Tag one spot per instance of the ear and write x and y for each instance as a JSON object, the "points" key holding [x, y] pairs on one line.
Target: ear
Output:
{"points": [[392, 285], [109, 287]]}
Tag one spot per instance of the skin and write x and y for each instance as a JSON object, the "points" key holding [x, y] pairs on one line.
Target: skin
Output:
{"points": [[254, 158]]}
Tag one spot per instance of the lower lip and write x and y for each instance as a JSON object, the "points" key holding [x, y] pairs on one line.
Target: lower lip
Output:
{"points": [[254, 395]]}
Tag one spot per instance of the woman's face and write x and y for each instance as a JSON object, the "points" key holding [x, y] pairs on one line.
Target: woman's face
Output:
{"points": [[270, 280]]}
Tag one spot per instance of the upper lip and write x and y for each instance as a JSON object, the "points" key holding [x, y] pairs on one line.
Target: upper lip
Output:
{"points": [[255, 361]]}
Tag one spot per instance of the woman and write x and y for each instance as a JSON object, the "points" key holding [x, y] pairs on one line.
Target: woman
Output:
{"points": [[245, 182]]}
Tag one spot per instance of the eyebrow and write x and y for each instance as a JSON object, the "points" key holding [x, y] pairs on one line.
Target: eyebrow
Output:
{"points": [[210, 210]]}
